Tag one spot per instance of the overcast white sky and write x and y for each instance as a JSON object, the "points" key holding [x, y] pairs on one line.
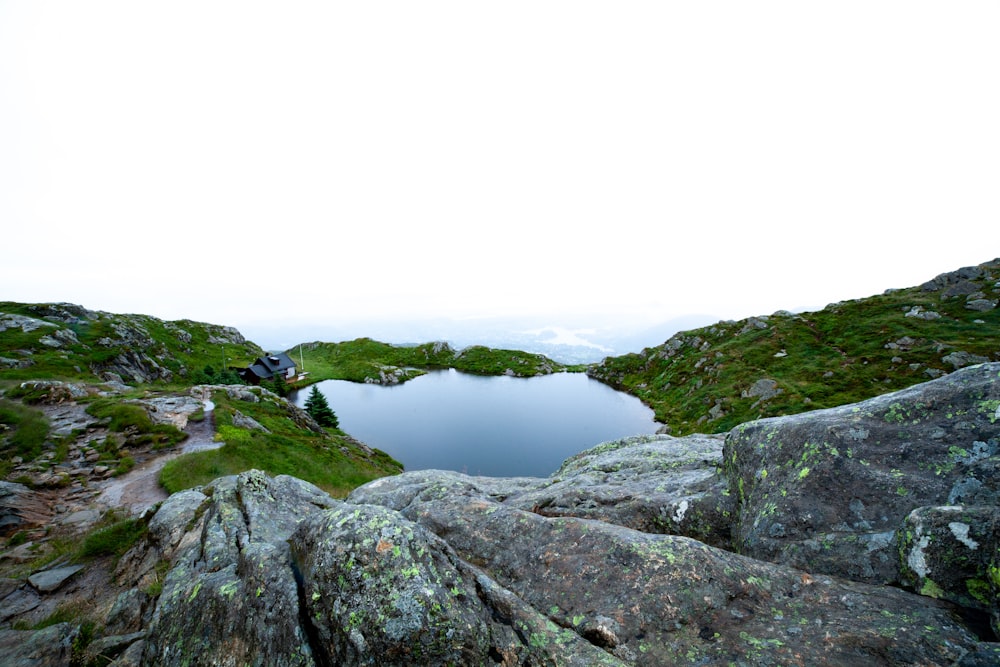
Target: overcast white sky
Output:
{"points": [[233, 161]]}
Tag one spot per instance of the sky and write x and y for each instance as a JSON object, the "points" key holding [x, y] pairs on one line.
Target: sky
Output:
{"points": [[245, 162]]}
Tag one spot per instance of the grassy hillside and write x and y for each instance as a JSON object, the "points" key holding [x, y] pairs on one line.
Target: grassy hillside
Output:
{"points": [[61, 354], [367, 360], [69, 342], [285, 444], [713, 378]]}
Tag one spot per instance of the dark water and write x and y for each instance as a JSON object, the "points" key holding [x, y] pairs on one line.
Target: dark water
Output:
{"points": [[496, 426]]}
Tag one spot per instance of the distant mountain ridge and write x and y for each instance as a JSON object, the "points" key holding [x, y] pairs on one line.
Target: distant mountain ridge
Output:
{"points": [[716, 377]]}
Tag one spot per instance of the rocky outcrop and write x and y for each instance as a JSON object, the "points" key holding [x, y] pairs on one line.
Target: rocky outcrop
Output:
{"points": [[791, 542], [273, 571], [862, 535], [828, 490]]}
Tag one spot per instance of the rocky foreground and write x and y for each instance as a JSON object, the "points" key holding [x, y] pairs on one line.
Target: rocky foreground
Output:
{"points": [[859, 535]]}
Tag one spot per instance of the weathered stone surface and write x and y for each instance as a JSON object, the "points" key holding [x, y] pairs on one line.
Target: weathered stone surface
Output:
{"points": [[653, 483], [174, 410], [18, 602], [231, 595], [50, 647], [654, 599], [110, 647], [21, 507], [962, 359], [240, 420], [382, 590], [950, 552], [981, 305], [49, 580], [826, 491], [22, 322]]}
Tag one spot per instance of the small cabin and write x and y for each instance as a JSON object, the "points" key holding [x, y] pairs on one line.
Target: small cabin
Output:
{"points": [[270, 367]]}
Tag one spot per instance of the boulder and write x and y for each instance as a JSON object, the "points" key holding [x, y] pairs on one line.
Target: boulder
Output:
{"points": [[232, 594], [651, 599], [440, 568], [50, 580], [827, 491]]}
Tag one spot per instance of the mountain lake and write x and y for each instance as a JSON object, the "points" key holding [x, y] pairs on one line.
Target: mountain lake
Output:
{"points": [[485, 425]]}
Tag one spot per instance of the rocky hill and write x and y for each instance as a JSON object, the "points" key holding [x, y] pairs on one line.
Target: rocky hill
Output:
{"points": [[711, 379], [66, 341], [859, 535]]}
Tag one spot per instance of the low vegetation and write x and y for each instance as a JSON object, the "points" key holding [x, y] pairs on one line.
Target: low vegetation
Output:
{"points": [[68, 342], [714, 378], [25, 430], [367, 360], [134, 422], [330, 459]]}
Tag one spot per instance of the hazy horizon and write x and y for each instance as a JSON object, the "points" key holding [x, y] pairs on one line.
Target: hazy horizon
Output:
{"points": [[567, 163]]}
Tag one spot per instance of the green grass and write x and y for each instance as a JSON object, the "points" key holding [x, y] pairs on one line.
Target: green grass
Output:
{"points": [[365, 359], [183, 347], [835, 356], [113, 539], [332, 461], [134, 421], [26, 431]]}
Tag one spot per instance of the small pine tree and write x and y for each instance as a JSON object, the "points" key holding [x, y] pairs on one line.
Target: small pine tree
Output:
{"points": [[320, 410]]}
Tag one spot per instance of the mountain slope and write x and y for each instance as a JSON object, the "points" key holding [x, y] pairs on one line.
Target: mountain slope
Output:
{"points": [[713, 378], [66, 341]]}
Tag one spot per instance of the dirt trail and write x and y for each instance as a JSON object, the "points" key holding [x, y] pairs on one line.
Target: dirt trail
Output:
{"points": [[139, 489]]}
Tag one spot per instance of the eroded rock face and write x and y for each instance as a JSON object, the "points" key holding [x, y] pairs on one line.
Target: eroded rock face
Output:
{"points": [[231, 595]]}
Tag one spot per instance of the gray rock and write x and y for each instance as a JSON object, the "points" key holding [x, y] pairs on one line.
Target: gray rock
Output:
{"points": [[765, 389], [50, 580], [946, 552], [953, 278], [891, 454], [647, 599], [981, 305], [110, 647], [232, 595], [126, 615], [919, 313], [240, 420], [22, 322], [19, 602], [131, 657], [49, 647], [174, 410], [654, 483], [962, 359], [382, 590], [21, 507]]}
